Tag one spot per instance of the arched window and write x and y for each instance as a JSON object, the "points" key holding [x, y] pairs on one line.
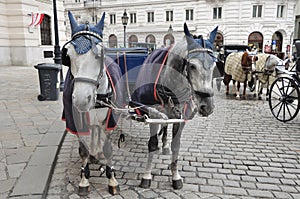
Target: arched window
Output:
{"points": [[46, 31], [256, 39], [132, 40], [112, 41], [169, 40], [218, 40], [150, 39], [277, 37]]}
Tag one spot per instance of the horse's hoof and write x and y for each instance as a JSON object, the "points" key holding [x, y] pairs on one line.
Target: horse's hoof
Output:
{"points": [[113, 190], [177, 184], [227, 93], [145, 183], [83, 191], [165, 151], [254, 95], [260, 98]]}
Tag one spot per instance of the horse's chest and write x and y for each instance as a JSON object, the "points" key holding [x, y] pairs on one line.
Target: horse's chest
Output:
{"points": [[98, 116]]}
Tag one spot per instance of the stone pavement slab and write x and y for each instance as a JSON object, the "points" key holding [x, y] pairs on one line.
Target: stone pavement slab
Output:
{"points": [[30, 132]]}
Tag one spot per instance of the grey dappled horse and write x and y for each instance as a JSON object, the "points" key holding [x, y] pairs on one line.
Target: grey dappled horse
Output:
{"points": [[189, 68]]}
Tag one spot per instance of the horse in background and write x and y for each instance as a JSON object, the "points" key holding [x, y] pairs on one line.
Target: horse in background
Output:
{"points": [[260, 75], [238, 67], [265, 73], [184, 84]]}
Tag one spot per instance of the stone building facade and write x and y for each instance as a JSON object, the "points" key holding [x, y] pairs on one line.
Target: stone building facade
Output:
{"points": [[257, 23], [24, 42]]}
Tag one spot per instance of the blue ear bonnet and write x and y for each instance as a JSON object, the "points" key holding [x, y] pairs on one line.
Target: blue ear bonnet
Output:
{"points": [[83, 44], [208, 44]]}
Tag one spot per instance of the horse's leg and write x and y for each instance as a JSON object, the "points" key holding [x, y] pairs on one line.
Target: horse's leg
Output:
{"points": [[152, 147], [245, 87], [237, 89], [85, 171], [113, 185], [164, 139], [95, 137], [175, 146]]}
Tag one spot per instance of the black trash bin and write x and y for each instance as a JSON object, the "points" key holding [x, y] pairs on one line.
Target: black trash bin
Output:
{"points": [[49, 84]]}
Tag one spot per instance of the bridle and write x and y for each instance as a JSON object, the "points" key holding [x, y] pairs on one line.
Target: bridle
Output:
{"points": [[89, 35]]}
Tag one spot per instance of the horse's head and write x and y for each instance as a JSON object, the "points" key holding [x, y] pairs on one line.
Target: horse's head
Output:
{"points": [[86, 61], [200, 63], [248, 61]]}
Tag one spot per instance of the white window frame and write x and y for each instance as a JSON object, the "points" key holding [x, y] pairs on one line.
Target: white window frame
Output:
{"points": [[256, 9], [132, 18], [150, 17], [281, 10], [217, 12], [112, 19], [189, 14], [169, 15]]}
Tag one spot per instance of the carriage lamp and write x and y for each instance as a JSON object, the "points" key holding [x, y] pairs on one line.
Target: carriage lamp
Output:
{"points": [[124, 22]]}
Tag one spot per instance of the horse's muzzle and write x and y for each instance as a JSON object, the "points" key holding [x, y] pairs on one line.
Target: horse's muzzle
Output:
{"points": [[205, 105]]}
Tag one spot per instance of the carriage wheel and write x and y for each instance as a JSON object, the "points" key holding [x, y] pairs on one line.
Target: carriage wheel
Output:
{"points": [[284, 99]]}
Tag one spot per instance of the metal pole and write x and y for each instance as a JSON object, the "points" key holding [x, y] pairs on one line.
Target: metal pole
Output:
{"points": [[57, 53], [125, 36]]}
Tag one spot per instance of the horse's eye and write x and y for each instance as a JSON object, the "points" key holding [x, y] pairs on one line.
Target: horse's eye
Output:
{"points": [[192, 67]]}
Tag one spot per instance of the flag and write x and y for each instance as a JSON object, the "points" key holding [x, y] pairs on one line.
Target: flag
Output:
{"points": [[36, 19]]}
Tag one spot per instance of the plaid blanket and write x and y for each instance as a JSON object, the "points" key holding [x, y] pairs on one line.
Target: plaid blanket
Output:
{"points": [[233, 67], [260, 65]]}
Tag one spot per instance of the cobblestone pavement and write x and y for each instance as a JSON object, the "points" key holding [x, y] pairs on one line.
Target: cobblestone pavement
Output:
{"points": [[240, 151]]}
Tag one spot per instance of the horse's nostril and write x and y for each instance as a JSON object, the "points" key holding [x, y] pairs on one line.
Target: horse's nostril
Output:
{"points": [[89, 98]]}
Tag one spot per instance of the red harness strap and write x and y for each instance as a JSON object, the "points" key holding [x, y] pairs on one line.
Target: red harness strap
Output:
{"points": [[157, 77]]}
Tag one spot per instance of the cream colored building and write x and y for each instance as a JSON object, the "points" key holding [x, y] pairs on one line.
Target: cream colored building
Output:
{"points": [[21, 44], [255, 22]]}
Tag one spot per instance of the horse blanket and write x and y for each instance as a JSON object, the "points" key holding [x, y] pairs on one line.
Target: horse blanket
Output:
{"points": [[260, 66], [233, 67], [114, 74], [147, 89]]}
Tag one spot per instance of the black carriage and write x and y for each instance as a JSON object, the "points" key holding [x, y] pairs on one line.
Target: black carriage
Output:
{"points": [[284, 93]]}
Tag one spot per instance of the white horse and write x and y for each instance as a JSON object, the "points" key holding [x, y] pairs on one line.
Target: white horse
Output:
{"points": [[189, 68]]}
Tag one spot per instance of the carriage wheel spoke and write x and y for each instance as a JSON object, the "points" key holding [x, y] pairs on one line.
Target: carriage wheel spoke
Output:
{"points": [[279, 110]]}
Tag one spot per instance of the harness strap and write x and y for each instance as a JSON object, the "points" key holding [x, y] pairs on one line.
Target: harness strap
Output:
{"points": [[88, 80], [158, 75]]}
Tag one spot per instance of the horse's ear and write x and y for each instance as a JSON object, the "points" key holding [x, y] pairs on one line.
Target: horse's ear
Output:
{"points": [[72, 21], [100, 24], [213, 34], [186, 30]]}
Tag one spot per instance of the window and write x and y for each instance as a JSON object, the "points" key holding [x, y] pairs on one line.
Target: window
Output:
{"points": [[169, 15], [280, 11], [77, 1], [257, 11], [189, 15], [112, 18], [132, 17], [46, 31], [113, 41], [217, 13], [150, 17]]}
